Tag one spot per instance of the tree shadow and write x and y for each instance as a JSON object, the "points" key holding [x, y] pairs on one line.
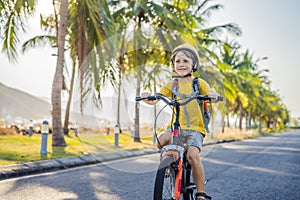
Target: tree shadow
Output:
{"points": [[92, 182], [253, 165]]}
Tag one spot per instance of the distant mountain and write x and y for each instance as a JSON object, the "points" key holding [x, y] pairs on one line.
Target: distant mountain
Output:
{"points": [[16, 103], [106, 113]]}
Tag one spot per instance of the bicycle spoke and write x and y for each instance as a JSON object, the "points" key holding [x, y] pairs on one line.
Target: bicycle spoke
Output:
{"points": [[169, 184]]}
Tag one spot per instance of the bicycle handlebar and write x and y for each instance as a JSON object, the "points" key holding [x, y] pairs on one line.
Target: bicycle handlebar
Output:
{"points": [[169, 102]]}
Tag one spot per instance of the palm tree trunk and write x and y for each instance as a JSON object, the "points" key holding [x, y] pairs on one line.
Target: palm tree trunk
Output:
{"points": [[268, 124], [260, 125], [137, 107], [249, 120], [240, 114], [138, 82], [119, 100], [212, 123], [228, 123], [223, 123], [57, 131], [241, 121], [67, 115], [275, 123], [154, 113], [121, 70]]}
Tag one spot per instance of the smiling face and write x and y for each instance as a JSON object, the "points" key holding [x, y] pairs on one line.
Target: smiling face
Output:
{"points": [[183, 63]]}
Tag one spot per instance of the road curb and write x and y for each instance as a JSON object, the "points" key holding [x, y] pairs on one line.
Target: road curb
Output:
{"points": [[29, 168], [16, 170]]}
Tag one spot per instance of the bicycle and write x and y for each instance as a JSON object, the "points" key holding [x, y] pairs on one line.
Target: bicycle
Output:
{"points": [[173, 177]]}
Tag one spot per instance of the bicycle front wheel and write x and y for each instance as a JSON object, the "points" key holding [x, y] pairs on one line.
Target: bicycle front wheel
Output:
{"points": [[165, 180]]}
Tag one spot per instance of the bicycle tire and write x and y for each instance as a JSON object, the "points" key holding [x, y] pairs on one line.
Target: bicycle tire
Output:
{"points": [[165, 180], [188, 196], [189, 193]]}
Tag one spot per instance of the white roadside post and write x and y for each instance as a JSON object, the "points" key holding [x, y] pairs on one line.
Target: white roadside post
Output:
{"points": [[30, 128], [117, 131], [45, 131]]}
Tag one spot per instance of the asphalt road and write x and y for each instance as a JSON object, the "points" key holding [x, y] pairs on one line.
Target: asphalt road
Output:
{"points": [[261, 168]]}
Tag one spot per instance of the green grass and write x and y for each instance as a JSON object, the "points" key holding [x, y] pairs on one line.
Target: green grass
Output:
{"points": [[16, 149]]}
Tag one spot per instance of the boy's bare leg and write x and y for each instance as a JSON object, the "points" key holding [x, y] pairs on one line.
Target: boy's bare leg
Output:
{"points": [[163, 139], [197, 167]]}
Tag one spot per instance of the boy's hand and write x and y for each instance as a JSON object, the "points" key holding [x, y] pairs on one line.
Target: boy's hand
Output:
{"points": [[145, 94], [150, 102], [213, 95]]}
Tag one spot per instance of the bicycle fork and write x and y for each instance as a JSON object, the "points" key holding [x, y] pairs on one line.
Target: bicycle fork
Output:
{"points": [[178, 182]]}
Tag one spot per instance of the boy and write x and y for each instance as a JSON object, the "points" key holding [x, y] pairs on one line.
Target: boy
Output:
{"points": [[185, 59]]}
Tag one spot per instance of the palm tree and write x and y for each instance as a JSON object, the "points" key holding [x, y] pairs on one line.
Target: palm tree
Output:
{"points": [[139, 14], [57, 131], [237, 79], [91, 25], [84, 42], [247, 87], [227, 59], [13, 16], [251, 82], [50, 25], [180, 25]]}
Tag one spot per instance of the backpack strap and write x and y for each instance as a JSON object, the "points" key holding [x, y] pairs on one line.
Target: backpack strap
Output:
{"points": [[175, 94], [175, 88], [196, 89]]}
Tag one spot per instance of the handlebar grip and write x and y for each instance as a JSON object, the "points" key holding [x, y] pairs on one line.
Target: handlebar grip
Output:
{"points": [[220, 98], [150, 98], [138, 98]]}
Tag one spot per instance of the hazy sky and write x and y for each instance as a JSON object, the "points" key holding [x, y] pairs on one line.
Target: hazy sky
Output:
{"points": [[270, 28]]}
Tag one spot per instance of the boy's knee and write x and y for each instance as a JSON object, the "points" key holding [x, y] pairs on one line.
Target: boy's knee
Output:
{"points": [[163, 139], [193, 155]]}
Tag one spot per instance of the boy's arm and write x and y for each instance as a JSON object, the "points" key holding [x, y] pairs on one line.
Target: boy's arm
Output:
{"points": [[207, 90]]}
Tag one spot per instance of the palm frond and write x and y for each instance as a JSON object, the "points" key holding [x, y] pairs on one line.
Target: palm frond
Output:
{"points": [[38, 42]]}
